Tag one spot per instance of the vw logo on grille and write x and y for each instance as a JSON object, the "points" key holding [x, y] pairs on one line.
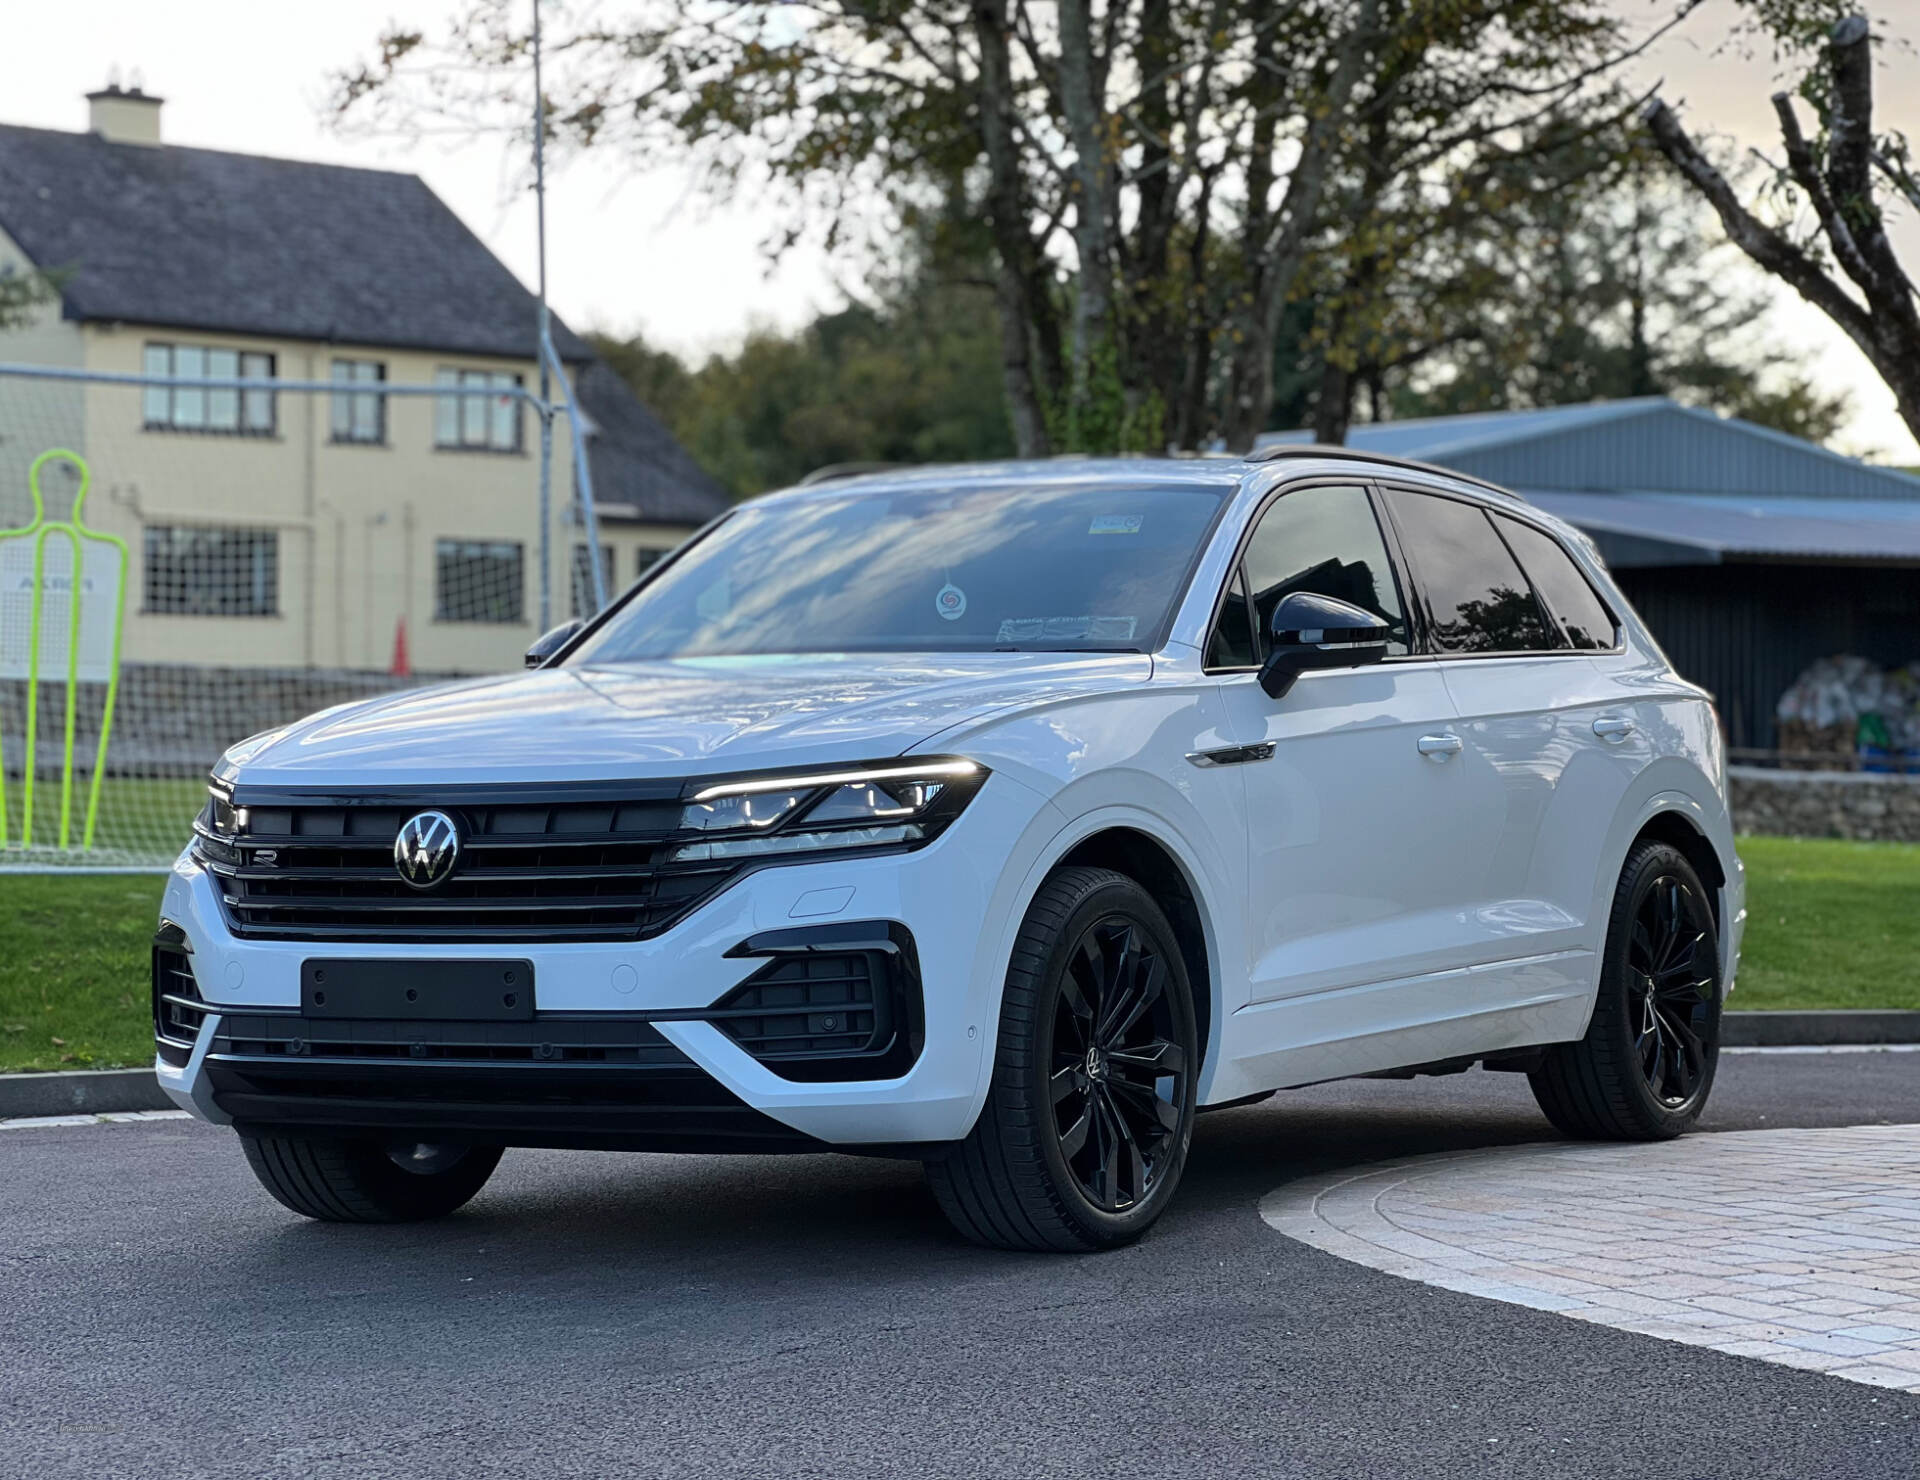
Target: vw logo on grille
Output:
{"points": [[426, 849]]}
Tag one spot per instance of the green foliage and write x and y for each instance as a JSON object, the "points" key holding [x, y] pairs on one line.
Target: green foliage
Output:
{"points": [[1618, 287], [912, 379], [24, 294], [1109, 419]]}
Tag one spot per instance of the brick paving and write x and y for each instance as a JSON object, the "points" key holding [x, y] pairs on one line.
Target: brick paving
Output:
{"points": [[1800, 1247]]}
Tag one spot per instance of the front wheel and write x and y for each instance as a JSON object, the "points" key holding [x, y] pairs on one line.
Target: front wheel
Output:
{"points": [[342, 1181], [1086, 1127], [1646, 1065]]}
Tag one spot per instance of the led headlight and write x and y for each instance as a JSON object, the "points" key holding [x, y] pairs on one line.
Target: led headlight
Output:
{"points": [[866, 806]]}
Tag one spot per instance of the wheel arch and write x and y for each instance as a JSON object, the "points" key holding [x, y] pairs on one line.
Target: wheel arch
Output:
{"points": [[1680, 831], [1151, 863]]}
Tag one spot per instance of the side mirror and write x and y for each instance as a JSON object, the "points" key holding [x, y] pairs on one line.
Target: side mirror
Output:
{"points": [[550, 642], [1312, 631]]}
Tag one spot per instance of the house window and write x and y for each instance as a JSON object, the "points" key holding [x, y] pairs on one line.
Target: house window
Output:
{"points": [[226, 410], [582, 581], [481, 422], [200, 571], [644, 560], [478, 581], [360, 415]]}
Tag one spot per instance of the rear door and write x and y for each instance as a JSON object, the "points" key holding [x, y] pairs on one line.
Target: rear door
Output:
{"points": [[1515, 624]]}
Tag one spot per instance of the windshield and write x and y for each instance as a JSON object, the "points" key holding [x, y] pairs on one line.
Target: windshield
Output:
{"points": [[1058, 568]]}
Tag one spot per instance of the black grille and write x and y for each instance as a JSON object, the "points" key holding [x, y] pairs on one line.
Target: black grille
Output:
{"points": [[808, 1005], [178, 1009], [541, 869], [548, 1040], [834, 1002]]}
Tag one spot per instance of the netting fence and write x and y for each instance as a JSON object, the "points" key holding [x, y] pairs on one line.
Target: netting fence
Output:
{"points": [[206, 546]]}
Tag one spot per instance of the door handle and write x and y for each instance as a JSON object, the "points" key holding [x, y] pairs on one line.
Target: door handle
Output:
{"points": [[1439, 747], [1613, 728]]}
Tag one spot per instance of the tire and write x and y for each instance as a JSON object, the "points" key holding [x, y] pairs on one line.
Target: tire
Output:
{"points": [[340, 1181], [1646, 1065], [1089, 1116]]}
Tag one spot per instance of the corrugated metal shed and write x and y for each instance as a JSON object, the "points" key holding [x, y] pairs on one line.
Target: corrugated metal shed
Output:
{"points": [[1657, 483], [1696, 529], [1611, 446]]}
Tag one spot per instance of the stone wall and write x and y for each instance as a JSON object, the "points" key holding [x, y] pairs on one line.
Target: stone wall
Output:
{"points": [[1825, 804]]}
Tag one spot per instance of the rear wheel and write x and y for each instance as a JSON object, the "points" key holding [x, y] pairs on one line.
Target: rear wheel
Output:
{"points": [[1086, 1127], [1646, 1065], [343, 1181]]}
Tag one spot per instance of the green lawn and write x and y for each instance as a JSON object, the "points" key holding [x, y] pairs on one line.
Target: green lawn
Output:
{"points": [[1830, 924]]}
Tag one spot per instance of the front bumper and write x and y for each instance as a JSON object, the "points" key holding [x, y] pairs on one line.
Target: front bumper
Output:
{"points": [[693, 1085]]}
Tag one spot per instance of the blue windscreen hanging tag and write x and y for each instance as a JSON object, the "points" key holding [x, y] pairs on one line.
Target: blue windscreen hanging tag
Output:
{"points": [[950, 602]]}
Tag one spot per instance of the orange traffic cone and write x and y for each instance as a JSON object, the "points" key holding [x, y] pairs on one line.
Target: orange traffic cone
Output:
{"points": [[401, 667]]}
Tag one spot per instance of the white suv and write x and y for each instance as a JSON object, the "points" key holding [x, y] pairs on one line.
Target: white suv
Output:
{"points": [[1002, 817]]}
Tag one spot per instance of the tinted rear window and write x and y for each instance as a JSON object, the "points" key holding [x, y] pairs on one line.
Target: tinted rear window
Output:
{"points": [[1561, 584], [1477, 596]]}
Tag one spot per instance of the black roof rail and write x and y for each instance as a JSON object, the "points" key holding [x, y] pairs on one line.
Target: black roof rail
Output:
{"points": [[1334, 451], [834, 472]]}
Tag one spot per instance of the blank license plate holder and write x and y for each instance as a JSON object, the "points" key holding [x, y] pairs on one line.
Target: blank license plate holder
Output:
{"points": [[442, 991]]}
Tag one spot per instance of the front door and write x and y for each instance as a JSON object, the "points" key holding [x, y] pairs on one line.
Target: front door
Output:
{"points": [[1358, 804]]}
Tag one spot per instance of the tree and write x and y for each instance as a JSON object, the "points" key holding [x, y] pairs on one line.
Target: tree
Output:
{"points": [[1842, 175], [1152, 175], [911, 377], [1606, 292], [24, 293]]}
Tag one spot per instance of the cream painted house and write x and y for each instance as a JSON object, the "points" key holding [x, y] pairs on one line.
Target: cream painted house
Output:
{"points": [[295, 530]]}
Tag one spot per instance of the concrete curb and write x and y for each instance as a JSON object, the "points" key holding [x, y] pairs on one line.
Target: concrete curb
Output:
{"points": [[1818, 1029], [83, 1092]]}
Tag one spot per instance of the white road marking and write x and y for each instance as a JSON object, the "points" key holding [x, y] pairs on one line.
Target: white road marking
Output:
{"points": [[108, 1117], [1832, 1048]]}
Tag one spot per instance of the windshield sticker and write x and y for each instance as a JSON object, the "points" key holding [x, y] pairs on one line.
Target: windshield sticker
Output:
{"points": [[1039, 629], [951, 602], [1116, 524]]}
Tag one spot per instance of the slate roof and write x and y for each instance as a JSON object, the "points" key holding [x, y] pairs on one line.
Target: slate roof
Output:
{"points": [[241, 244], [640, 473]]}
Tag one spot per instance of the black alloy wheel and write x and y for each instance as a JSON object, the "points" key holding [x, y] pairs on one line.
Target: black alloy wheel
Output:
{"points": [[1669, 956], [1645, 1066], [1090, 1109], [1120, 1076]]}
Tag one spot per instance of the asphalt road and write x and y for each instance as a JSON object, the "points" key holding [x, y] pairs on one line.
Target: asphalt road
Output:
{"points": [[640, 1315]]}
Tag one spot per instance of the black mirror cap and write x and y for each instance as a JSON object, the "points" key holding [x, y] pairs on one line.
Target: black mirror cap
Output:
{"points": [[1311, 631], [551, 641]]}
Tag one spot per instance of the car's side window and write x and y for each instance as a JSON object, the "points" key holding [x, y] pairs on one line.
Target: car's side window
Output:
{"points": [[1323, 539], [1478, 598], [1564, 587], [1231, 645]]}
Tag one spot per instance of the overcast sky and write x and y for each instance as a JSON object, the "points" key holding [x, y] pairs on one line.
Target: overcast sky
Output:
{"points": [[636, 250]]}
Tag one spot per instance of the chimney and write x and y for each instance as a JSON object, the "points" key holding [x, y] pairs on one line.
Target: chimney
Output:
{"points": [[124, 115]]}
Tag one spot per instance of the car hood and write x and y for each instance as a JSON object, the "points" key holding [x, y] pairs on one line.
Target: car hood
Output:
{"points": [[690, 716]]}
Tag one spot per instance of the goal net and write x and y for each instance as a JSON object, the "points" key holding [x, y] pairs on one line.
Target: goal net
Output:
{"points": [[208, 550]]}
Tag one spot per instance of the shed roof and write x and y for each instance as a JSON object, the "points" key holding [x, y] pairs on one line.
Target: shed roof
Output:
{"points": [[1648, 442], [1657, 483], [242, 244]]}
